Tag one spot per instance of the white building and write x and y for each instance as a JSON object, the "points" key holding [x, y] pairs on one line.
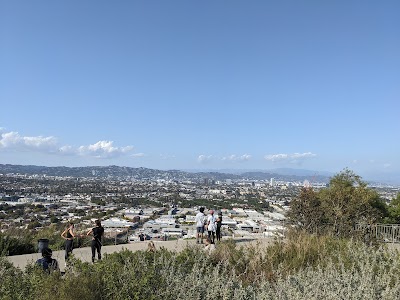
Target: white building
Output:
{"points": [[118, 223], [272, 182]]}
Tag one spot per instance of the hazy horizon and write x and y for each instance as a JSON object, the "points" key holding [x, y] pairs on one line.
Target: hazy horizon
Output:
{"points": [[378, 178]]}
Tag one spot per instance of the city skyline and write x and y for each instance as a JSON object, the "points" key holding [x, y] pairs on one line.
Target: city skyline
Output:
{"points": [[187, 85]]}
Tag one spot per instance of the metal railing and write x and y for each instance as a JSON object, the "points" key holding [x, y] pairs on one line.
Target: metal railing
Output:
{"points": [[387, 233]]}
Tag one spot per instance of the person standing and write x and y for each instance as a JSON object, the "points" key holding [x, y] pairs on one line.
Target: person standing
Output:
{"points": [[200, 221], [98, 233], [211, 226], [68, 235], [141, 237], [218, 229]]}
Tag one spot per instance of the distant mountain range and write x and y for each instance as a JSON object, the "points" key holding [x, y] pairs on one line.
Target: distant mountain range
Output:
{"points": [[279, 171], [118, 172]]}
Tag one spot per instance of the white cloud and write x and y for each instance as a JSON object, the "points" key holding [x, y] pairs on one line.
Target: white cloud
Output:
{"points": [[102, 149], [67, 150], [14, 141], [138, 155], [204, 158], [294, 158], [303, 155], [387, 165], [276, 157], [238, 158]]}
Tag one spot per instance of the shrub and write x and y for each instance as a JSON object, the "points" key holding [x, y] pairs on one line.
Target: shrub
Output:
{"points": [[13, 284], [16, 242], [302, 267]]}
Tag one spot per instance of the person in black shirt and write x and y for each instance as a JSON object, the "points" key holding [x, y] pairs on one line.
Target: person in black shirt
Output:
{"points": [[97, 232], [68, 235], [141, 237], [219, 224]]}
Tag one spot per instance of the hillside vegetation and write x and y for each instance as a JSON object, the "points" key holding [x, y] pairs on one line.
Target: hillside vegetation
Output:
{"points": [[303, 267]]}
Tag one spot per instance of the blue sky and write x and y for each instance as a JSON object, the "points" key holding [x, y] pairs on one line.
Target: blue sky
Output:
{"points": [[201, 84]]}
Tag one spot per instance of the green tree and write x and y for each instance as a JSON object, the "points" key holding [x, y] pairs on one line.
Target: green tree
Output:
{"points": [[307, 212], [54, 219], [394, 210], [33, 224], [346, 202], [16, 242]]}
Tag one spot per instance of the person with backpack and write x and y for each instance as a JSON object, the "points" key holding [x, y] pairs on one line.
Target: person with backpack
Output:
{"points": [[48, 263], [97, 232]]}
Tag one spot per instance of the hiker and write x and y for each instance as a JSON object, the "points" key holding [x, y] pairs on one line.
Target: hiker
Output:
{"points": [[200, 221], [218, 228], [211, 227], [97, 232], [68, 235], [46, 262]]}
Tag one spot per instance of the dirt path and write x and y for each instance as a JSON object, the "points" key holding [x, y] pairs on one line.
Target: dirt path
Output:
{"points": [[84, 254]]}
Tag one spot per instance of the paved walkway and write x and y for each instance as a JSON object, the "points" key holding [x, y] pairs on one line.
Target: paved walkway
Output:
{"points": [[85, 254]]}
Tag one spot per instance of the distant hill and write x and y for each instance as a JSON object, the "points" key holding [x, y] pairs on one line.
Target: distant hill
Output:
{"points": [[279, 171], [118, 172]]}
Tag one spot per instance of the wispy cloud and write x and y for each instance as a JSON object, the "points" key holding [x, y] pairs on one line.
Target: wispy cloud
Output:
{"points": [[49, 144], [387, 165], [237, 158], [166, 156], [204, 158], [294, 158]]}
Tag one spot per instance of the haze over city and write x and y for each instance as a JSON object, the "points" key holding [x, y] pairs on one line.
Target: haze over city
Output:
{"points": [[202, 85]]}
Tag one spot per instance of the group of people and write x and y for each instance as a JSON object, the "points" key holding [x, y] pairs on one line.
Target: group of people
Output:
{"points": [[211, 223], [48, 263], [96, 232]]}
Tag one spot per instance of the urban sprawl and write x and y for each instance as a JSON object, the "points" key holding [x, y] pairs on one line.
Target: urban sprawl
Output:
{"points": [[153, 208]]}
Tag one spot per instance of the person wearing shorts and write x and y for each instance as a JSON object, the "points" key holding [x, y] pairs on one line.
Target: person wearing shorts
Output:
{"points": [[200, 220]]}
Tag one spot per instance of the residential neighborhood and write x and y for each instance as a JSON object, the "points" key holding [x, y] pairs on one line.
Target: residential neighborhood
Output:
{"points": [[155, 208]]}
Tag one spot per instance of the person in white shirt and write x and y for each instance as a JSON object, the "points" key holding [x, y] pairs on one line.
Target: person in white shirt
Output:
{"points": [[200, 221], [211, 226]]}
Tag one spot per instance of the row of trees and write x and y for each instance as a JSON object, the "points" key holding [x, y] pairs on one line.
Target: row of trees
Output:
{"points": [[337, 209]]}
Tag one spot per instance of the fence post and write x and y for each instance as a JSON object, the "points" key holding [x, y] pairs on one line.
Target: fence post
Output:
{"points": [[392, 234]]}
